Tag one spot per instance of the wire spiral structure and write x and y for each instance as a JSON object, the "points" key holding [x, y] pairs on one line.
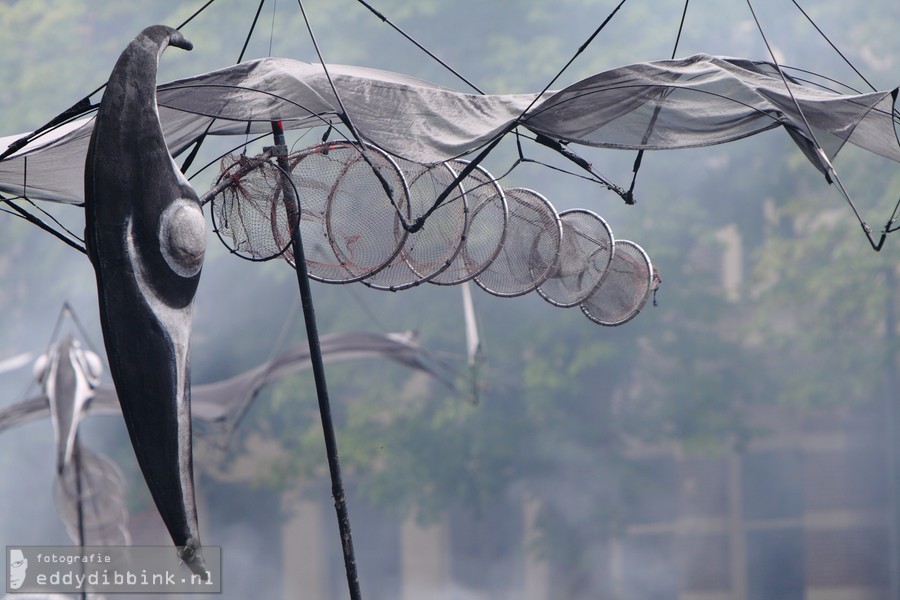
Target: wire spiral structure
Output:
{"points": [[356, 206], [427, 252]]}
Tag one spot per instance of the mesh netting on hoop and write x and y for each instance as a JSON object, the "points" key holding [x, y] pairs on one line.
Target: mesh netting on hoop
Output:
{"points": [[530, 250], [486, 228], [624, 290], [431, 249], [249, 214], [584, 256], [95, 505], [348, 219], [314, 181]]}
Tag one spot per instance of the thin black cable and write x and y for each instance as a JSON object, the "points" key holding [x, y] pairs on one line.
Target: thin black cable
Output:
{"points": [[67, 310], [558, 146], [200, 10], [337, 96], [594, 178], [509, 171], [199, 142], [787, 86], [417, 225], [680, 28], [272, 26], [584, 164], [79, 505], [303, 135], [420, 46], [25, 197], [226, 153], [833, 47], [610, 186], [893, 218], [81, 328], [463, 173], [576, 55], [189, 160], [640, 155], [830, 173], [819, 84], [836, 49], [894, 114], [81, 107], [54, 219], [56, 328], [250, 33], [345, 117], [78, 109], [36, 221]]}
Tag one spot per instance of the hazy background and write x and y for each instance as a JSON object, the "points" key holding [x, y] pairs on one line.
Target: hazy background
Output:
{"points": [[772, 327]]}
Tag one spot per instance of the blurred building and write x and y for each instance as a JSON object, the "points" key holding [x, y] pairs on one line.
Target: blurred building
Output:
{"points": [[801, 513]]}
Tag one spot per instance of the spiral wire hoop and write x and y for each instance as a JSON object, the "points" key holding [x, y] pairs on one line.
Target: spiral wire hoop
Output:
{"points": [[355, 206], [625, 291]]}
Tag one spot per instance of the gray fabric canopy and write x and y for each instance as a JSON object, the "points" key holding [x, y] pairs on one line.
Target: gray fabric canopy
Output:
{"points": [[697, 101], [705, 100]]}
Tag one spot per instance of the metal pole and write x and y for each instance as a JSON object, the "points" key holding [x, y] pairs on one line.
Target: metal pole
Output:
{"points": [[318, 368], [76, 456], [891, 352]]}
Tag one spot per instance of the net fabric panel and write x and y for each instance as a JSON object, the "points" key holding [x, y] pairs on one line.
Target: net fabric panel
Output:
{"points": [[584, 257], [435, 124], [347, 219], [104, 515], [431, 249], [486, 227], [703, 100], [531, 249], [313, 183], [249, 215], [624, 290]]}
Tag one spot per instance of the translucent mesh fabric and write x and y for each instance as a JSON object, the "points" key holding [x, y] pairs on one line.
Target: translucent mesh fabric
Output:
{"points": [[584, 256], [486, 226], [624, 290], [431, 249], [695, 101], [249, 215], [531, 248], [101, 496], [703, 100], [348, 221], [313, 183]]}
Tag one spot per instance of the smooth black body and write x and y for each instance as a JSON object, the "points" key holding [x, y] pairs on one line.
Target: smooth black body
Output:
{"points": [[145, 238]]}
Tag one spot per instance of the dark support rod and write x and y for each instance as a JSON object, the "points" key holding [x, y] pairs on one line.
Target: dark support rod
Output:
{"points": [[318, 368], [893, 444], [79, 494]]}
